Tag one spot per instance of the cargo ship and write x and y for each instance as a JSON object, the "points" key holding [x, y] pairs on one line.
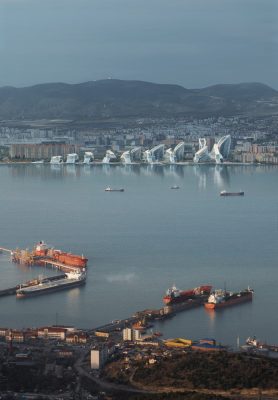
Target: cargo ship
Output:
{"points": [[174, 295], [225, 193], [72, 279], [74, 260], [222, 298], [109, 189]]}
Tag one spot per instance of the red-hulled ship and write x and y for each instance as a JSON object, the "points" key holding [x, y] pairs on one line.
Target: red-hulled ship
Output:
{"points": [[222, 298], [174, 295], [74, 260]]}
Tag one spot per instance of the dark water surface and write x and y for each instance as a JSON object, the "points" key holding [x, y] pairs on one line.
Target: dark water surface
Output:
{"points": [[142, 241]]}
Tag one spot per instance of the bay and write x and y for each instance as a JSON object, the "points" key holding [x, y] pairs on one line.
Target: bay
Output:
{"points": [[142, 241]]}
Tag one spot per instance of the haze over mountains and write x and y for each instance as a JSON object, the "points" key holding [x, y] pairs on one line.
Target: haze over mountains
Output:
{"points": [[113, 98]]}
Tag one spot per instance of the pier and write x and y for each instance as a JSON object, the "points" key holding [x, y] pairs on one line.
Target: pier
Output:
{"points": [[58, 265], [27, 257], [151, 315], [4, 250]]}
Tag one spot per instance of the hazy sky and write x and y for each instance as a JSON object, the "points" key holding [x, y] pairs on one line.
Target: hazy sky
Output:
{"points": [[194, 43]]}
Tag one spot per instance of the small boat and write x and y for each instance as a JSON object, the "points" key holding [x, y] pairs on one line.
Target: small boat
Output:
{"points": [[38, 162], [158, 334], [109, 189], [225, 193], [174, 187]]}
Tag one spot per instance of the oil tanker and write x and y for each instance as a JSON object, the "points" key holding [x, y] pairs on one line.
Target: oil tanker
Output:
{"points": [[74, 260], [174, 295], [72, 279], [222, 298]]}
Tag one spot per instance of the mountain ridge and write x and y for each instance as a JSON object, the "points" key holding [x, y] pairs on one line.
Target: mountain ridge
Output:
{"points": [[110, 98]]}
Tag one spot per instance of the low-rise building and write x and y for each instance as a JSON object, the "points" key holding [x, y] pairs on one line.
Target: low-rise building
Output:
{"points": [[52, 333], [76, 337], [3, 332], [15, 336]]}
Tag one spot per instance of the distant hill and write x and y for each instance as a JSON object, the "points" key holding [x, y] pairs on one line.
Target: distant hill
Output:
{"points": [[113, 98]]}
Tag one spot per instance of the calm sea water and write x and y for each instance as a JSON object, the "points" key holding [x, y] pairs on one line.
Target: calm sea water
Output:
{"points": [[142, 241]]}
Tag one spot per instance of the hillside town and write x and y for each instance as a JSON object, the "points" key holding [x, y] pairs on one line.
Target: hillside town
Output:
{"points": [[64, 362], [253, 140]]}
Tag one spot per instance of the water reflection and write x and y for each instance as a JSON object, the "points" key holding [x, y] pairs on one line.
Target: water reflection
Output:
{"points": [[174, 170], [211, 314], [131, 169], [221, 176], [152, 169], [218, 174], [72, 170]]}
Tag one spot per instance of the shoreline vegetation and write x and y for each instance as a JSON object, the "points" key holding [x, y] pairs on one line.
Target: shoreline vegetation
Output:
{"points": [[201, 375]]}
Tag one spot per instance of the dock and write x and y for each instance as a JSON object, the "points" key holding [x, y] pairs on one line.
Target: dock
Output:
{"points": [[4, 250], [151, 315], [26, 257], [58, 265]]}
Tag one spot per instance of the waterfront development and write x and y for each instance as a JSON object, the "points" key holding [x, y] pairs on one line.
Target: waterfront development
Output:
{"points": [[186, 237]]}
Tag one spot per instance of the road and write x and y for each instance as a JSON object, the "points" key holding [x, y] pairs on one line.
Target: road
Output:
{"points": [[106, 386]]}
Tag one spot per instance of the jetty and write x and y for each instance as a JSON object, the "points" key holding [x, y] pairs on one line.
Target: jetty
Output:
{"points": [[4, 250]]}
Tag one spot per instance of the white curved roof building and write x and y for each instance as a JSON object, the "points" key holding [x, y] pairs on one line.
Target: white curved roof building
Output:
{"points": [[216, 155], [202, 155], [176, 154], [130, 156], [126, 157], [72, 158], [221, 149], [108, 157], [56, 160], [219, 152], [224, 145], [155, 154], [88, 157]]}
